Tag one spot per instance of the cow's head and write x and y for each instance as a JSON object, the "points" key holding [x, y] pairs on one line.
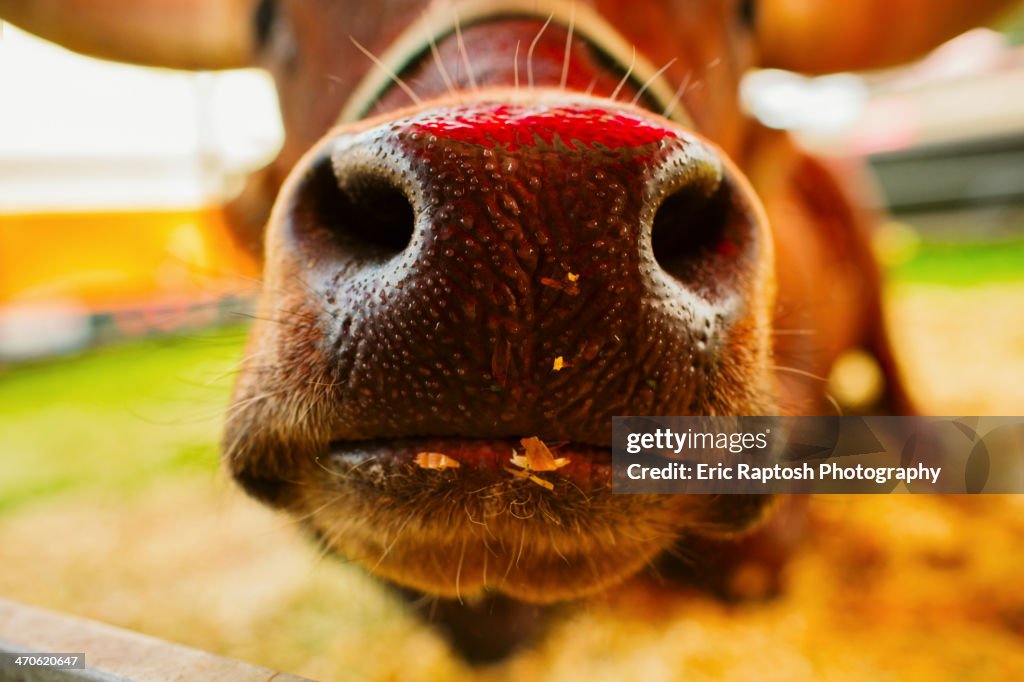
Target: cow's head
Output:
{"points": [[527, 221]]}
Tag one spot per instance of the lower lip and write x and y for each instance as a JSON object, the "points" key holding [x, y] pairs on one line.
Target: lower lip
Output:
{"points": [[589, 467]]}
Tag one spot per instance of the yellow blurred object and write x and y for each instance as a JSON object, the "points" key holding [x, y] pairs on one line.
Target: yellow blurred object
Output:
{"points": [[107, 259], [856, 381], [895, 243]]}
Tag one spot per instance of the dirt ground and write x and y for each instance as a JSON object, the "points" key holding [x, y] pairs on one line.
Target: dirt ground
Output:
{"points": [[962, 349], [883, 588]]}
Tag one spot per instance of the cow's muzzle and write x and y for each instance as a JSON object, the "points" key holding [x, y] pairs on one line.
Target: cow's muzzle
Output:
{"points": [[464, 276]]}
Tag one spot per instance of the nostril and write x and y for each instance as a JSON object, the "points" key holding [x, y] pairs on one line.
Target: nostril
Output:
{"points": [[699, 238], [687, 225], [376, 211], [363, 209]]}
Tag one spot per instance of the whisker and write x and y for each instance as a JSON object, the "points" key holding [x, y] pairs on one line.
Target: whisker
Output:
{"points": [[625, 79], [458, 571], [568, 47], [332, 472], [462, 49], [394, 77], [533, 46], [513, 559], [554, 546], [835, 404], [292, 520], [487, 552], [398, 534], [237, 406], [677, 96], [441, 69], [326, 541], [590, 88], [315, 402], [515, 64], [799, 372], [235, 367], [647, 84]]}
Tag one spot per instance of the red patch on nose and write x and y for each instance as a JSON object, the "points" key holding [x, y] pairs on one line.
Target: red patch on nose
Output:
{"points": [[513, 128]]}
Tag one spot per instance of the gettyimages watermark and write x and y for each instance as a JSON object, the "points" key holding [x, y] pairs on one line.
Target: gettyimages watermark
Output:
{"points": [[819, 455]]}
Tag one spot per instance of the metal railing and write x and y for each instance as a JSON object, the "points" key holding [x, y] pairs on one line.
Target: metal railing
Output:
{"points": [[44, 640]]}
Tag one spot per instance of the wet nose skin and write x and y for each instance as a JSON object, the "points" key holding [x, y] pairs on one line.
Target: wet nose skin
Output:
{"points": [[455, 278], [504, 270]]}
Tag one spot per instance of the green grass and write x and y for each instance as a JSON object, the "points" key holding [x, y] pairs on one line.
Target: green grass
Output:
{"points": [[963, 265], [114, 420]]}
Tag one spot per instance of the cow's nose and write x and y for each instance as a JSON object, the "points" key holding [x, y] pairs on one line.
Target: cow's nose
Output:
{"points": [[502, 270]]}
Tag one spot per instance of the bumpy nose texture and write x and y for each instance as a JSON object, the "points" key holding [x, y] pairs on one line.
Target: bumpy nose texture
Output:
{"points": [[508, 270]]}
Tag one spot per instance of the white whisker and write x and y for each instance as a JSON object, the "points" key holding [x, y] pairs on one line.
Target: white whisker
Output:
{"points": [[799, 372], [394, 77], [462, 49], [515, 64], [677, 96], [237, 366], [445, 76], [625, 79], [398, 535], [533, 46], [647, 84], [568, 47], [236, 408], [458, 571]]}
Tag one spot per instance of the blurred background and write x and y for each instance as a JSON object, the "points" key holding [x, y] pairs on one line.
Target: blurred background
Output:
{"points": [[123, 308]]}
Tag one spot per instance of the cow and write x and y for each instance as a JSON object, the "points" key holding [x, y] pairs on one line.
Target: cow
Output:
{"points": [[495, 224]]}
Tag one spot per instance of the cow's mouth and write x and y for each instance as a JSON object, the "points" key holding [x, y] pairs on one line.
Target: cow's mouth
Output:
{"points": [[469, 463]]}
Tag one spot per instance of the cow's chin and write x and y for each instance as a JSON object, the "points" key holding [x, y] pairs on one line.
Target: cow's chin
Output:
{"points": [[455, 532]]}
